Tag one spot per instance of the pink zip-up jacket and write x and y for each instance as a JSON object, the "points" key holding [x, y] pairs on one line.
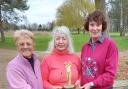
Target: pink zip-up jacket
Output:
{"points": [[20, 74], [99, 63], [53, 69]]}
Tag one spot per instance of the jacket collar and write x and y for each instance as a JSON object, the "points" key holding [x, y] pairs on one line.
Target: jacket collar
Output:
{"points": [[24, 60], [100, 39]]}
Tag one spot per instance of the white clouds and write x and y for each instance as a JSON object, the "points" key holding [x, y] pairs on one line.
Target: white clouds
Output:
{"points": [[42, 11]]}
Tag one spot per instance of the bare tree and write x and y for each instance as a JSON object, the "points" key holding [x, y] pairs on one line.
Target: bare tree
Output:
{"points": [[8, 12]]}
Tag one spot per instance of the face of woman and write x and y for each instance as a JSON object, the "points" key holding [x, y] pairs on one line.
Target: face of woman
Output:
{"points": [[95, 30], [61, 42], [25, 46]]}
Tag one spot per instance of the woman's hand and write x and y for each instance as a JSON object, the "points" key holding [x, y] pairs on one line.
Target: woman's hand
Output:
{"points": [[77, 84], [86, 86], [57, 87]]}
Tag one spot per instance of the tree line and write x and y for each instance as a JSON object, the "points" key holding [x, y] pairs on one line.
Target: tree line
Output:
{"points": [[71, 13]]}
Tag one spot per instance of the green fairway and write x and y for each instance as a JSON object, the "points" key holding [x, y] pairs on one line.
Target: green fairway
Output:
{"points": [[42, 40], [122, 42]]}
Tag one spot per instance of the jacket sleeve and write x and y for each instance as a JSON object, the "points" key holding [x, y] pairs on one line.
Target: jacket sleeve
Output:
{"points": [[111, 63], [45, 74], [16, 78]]}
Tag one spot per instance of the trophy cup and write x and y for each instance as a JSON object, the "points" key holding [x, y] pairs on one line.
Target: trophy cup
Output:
{"points": [[68, 85]]}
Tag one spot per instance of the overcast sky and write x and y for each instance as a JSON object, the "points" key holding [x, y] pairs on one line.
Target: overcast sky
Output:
{"points": [[42, 11]]}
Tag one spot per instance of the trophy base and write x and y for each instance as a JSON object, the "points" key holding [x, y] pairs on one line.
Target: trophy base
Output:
{"points": [[69, 86]]}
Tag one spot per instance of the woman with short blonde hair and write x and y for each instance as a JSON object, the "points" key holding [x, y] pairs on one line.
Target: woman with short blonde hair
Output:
{"points": [[23, 71]]}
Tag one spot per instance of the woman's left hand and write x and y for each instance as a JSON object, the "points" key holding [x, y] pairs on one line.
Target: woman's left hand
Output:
{"points": [[86, 86], [77, 84]]}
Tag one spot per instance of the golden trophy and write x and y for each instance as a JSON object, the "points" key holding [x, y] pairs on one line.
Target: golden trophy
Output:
{"points": [[69, 84]]}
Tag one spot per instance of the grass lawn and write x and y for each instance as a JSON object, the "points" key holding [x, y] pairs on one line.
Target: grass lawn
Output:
{"points": [[42, 40], [122, 42]]}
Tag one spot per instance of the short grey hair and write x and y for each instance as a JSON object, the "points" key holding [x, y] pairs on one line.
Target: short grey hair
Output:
{"points": [[63, 30], [23, 33]]}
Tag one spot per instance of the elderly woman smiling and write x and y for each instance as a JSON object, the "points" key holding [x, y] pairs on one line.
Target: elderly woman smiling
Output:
{"points": [[23, 72], [54, 63]]}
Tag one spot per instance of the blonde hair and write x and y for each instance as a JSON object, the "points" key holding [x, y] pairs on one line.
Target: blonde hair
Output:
{"points": [[63, 30], [23, 33]]}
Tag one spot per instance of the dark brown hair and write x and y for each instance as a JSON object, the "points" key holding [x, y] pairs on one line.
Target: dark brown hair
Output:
{"points": [[98, 17]]}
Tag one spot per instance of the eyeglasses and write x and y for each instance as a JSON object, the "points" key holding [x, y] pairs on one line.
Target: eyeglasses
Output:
{"points": [[25, 44]]}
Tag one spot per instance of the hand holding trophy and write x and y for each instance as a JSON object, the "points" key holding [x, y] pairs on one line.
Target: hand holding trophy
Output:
{"points": [[69, 85]]}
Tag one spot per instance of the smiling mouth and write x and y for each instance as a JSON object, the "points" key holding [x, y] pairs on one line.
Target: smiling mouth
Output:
{"points": [[26, 50], [94, 32], [61, 46]]}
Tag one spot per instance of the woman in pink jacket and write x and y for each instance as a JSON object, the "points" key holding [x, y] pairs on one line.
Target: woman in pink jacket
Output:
{"points": [[99, 56], [54, 64], [23, 72]]}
